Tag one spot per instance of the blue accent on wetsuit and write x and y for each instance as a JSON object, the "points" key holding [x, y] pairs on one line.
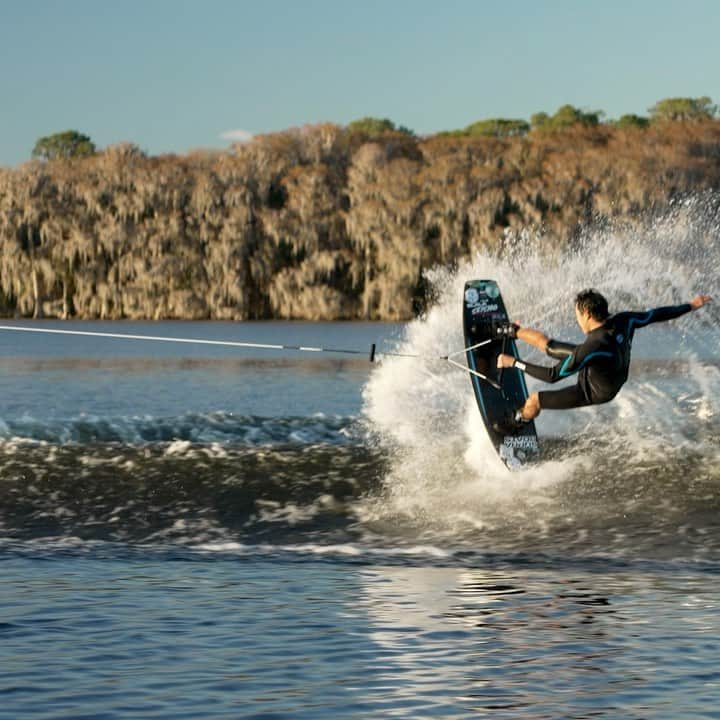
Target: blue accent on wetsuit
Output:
{"points": [[602, 361]]}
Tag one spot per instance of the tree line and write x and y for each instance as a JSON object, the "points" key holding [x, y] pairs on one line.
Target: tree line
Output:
{"points": [[321, 222], [72, 143]]}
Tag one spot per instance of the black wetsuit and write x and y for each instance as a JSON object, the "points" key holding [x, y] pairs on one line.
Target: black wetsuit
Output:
{"points": [[602, 361]]}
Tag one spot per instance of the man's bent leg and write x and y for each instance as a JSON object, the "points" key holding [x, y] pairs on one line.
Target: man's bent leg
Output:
{"points": [[563, 399]]}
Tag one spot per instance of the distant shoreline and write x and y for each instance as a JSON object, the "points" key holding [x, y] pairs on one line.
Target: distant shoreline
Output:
{"points": [[320, 224], [210, 321]]}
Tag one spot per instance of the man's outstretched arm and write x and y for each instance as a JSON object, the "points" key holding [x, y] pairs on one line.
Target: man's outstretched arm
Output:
{"points": [[669, 312]]}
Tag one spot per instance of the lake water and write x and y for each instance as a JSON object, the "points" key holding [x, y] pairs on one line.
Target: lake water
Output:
{"points": [[193, 531]]}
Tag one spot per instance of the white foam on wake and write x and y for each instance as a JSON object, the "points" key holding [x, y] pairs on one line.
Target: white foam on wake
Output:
{"points": [[443, 463]]}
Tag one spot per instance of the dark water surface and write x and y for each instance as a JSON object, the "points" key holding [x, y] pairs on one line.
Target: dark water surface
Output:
{"points": [[94, 633]]}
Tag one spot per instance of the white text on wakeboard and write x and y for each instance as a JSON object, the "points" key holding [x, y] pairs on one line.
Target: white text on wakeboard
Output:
{"points": [[484, 308], [527, 442]]}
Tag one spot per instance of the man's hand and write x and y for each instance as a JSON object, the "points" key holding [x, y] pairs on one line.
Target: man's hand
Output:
{"points": [[505, 361], [699, 301]]}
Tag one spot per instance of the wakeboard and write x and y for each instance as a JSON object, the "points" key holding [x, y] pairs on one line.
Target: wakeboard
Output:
{"points": [[504, 390]]}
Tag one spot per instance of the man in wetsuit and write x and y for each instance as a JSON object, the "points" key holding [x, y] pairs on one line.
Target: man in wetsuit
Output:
{"points": [[602, 361]]}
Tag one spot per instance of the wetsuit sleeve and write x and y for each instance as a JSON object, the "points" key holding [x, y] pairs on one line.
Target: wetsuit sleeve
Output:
{"points": [[559, 350], [572, 359], [661, 314]]}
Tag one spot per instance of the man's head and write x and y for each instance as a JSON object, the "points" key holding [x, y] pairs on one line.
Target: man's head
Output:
{"points": [[591, 309]]}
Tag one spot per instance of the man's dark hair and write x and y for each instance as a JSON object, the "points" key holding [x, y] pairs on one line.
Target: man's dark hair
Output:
{"points": [[593, 303]]}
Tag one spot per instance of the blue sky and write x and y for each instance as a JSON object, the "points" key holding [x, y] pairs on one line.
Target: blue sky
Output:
{"points": [[175, 75]]}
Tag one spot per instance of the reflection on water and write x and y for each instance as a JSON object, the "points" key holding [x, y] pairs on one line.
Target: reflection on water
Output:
{"points": [[161, 637], [544, 645]]}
